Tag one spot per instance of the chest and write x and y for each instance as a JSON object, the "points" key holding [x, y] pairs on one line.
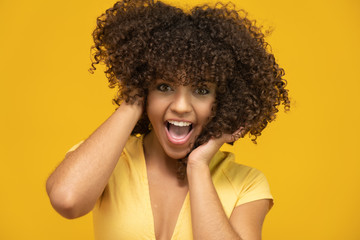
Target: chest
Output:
{"points": [[128, 210], [167, 198]]}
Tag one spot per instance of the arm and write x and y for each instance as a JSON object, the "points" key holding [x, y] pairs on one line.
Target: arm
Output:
{"points": [[80, 179], [247, 219], [208, 217]]}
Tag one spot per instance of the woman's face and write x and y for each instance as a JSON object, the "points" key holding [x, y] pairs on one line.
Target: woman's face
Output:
{"points": [[178, 114]]}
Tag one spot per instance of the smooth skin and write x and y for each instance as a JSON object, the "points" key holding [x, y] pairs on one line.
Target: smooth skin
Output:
{"points": [[80, 179]]}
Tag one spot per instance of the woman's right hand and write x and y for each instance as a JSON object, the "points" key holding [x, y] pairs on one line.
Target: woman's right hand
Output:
{"points": [[80, 179]]}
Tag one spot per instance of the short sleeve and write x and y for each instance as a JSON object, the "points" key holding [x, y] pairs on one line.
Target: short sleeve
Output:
{"points": [[255, 187], [73, 148]]}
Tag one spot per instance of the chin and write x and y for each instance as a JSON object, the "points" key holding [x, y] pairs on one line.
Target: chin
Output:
{"points": [[177, 154]]}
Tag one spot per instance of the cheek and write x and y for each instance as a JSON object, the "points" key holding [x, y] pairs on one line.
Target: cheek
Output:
{"points": [[205, 110], [153, 108]]}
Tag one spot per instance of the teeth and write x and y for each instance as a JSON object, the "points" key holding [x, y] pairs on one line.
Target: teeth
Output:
{"points": [[180, 124]]}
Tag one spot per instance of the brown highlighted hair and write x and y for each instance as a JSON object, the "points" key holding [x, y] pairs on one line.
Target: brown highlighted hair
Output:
{"points": [[144, 40]]}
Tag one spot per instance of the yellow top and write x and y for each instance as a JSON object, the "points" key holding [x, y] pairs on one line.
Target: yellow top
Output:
{"points": [[124, 210]]}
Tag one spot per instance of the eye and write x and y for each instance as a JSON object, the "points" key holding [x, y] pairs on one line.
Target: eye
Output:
{"points": [[202, 91], [163, 87]]}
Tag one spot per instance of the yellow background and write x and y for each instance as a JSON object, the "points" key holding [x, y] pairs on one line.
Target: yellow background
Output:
{"points": [[310, 155]]}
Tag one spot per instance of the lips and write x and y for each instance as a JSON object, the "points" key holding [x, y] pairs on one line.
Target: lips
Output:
{"points": [[178, 132]]}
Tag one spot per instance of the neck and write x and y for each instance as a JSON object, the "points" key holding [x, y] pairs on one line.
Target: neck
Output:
{"points": [[155, 157]]}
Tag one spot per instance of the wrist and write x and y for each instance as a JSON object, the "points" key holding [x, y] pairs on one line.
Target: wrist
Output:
{"points": [[134, 109], [197, 168]]}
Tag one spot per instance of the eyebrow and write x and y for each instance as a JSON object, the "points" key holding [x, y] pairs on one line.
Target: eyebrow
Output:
{"points": [[203, 82]]}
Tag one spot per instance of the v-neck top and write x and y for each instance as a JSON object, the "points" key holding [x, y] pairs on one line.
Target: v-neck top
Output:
{"points": [[124, 209]]}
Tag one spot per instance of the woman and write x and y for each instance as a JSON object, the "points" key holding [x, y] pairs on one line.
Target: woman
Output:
{"points": [[188, 83]]}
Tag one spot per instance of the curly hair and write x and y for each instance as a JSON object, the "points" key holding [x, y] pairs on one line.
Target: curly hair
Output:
{"points": [[143, 40]]}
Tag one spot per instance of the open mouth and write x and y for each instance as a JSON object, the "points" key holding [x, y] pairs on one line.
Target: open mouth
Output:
{"points": [[178, 132]]}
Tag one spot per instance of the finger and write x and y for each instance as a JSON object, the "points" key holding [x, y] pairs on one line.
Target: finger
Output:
{"points": [[216, 142], [227, 138]]}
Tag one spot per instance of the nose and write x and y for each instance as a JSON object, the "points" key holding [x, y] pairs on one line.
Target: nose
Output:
{"points": [[181, 103]]}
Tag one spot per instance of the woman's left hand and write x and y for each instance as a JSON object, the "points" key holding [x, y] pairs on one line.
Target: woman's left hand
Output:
{"points": [[203, 154]]}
